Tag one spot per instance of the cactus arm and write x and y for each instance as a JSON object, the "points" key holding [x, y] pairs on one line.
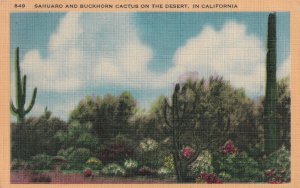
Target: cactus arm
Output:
{"points": [[13, 108], [166, 106], [32, 101], [182, 118]]}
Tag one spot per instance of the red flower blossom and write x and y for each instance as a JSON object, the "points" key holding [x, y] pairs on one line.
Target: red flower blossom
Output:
{"points": [[188, 152], [229, 148], [87, 172], [274, 182], [210, 178]]}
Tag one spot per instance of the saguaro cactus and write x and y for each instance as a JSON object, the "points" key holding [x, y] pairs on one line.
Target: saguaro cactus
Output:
{"points": [[177, 116], [270, 124], [19, 111]]}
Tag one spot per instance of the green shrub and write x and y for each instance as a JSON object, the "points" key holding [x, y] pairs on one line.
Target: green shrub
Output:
{"points": [[65, 152], [163, 171], [130, 166], [87, 140], [78, 158], [169, 163], [277, 166], [94, 163], [238, 168], [41, 162], [203, 163], [19, 164], [150, 154], [113, 169], [148, 145]]}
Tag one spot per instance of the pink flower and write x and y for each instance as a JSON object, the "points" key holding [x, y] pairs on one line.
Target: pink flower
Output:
{"points": [[209, 178], [274, 182], [87, 172], [229, 148], [188, 152]]}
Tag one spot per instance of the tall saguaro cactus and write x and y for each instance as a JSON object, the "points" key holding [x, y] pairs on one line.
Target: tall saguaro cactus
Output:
{"points": [[176, 116], [270, 124], [19, 111]]}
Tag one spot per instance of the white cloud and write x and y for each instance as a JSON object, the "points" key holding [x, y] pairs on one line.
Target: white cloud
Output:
{"points": [[105, 49], [230, 52], [284, 69], [96, 49], [90, 49]]}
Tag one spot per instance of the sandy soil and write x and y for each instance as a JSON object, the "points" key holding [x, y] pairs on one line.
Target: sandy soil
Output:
{"points": [[24, 177]]}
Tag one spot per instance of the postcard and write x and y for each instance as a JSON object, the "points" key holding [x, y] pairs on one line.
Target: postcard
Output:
{"points": [[149, 93]]}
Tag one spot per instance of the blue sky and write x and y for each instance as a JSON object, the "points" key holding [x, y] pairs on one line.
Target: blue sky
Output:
{"points": [[68, 56]]}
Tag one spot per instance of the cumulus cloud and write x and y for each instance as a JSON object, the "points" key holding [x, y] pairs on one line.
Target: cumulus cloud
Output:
{"points": [[90, 49], [99, 49], [285, 68], [230, 52]]}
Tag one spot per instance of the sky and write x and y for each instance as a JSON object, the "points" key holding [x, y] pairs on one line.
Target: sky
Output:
{"points": [[68, 56]]}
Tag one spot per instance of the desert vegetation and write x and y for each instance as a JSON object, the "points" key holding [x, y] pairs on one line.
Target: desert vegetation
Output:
{"points": [[206, 131]]}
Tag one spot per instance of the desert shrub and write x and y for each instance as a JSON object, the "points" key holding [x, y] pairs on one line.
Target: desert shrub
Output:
{"points": [[87, 140], [169, 163], [65, 152], [165, 172], [203, 163], [210, 178], [130, 166], [146, 124], [77, 135], [147, 171], [256, 151], [232, 166], [59, 162], [108, 115], [59, 159], [238, 168], [41, 162], [116, 153], [19, 164], [148, 145], [94, 163], [35, 137], [78, 158], [113, 169], [40, 178], [150, 153], [278, 166]]}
